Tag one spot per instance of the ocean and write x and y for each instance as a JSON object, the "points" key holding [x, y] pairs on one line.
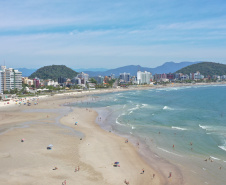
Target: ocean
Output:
{"points": [[184, 125]]}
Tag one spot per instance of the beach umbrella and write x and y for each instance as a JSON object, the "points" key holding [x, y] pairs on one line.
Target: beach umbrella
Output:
{"points": [[116, 162], [50, 145]]}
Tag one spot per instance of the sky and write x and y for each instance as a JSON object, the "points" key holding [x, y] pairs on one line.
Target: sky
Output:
{"points": [[111, 33]]}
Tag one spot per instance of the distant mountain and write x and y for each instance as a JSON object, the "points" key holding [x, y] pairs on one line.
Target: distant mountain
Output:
{"points": [[205, 68], [90, 69], [171, 67], [54, 72], [168, 67], [26, 72]]}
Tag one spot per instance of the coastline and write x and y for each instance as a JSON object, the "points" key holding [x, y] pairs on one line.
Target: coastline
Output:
{"points": [[31, 163], [37, 124]]}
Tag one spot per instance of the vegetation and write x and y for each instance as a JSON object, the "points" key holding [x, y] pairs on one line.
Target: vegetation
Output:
{"points": [[92, 80], [54, 72], [205, 68]]}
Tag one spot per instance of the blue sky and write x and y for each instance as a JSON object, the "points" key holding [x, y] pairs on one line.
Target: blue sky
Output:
{"points": [[110, 34]]}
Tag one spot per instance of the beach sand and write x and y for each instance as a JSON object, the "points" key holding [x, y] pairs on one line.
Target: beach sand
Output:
{"points": [[30, 162], [49, 122]]}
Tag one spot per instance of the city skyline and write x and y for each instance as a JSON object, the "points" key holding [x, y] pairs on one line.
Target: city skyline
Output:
{"points": [[96, 34]]}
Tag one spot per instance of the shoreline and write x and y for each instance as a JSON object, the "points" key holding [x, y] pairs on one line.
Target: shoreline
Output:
{"points": [[46, 119], [23, 100], [188, 169], [27, 162]]}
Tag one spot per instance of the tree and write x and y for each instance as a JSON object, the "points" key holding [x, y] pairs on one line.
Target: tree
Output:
{"points": [[92, 80]]}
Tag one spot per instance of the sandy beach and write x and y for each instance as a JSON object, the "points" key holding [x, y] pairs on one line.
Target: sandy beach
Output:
{"points": [[84, 145], [82, 153]]}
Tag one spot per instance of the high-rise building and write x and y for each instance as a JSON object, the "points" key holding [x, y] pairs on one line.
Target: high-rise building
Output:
{"points": [[62, 80], [99, 79], [124, 77], [84, 77], [144, 77], [10, 79], [36, 82]]}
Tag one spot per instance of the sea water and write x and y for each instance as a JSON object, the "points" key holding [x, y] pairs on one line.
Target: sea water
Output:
{"points": [[178, 123]]}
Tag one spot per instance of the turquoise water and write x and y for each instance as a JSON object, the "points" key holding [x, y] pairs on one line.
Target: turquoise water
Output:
{"points": [[192, 119], [182, 115]]}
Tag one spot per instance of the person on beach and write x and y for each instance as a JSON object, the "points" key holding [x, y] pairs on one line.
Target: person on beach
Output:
{"points": [[126, 141], [142, 171], [170, 174], [126, 182], [153, 175], [78, 168]]}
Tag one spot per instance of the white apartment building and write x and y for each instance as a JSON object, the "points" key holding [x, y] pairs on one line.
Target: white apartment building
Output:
{"points": [[84, 77], [144, 77], [10, 79], [50, 83]]}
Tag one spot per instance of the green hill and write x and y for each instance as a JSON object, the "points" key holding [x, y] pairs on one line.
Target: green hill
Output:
{"points": [[205, 68], [54, 72]]}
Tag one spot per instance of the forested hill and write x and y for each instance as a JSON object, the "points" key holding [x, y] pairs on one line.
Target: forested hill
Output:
{"points": [[54, 72], [205, 68]]}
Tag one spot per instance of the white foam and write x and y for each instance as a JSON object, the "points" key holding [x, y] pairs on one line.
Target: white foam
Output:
{"points": [[178, 128], [205, 127], [144, 105], [116, 121], [222, 147], [133, 127], [169, 152], [204, 169], [167, 108], [135, 108], [130, 112], [215, 158]]}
